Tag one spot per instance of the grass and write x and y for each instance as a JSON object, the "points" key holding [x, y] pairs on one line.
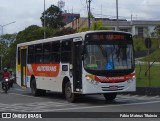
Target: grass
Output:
{"points": [[154, 79], [145, 81], [155, 56]]}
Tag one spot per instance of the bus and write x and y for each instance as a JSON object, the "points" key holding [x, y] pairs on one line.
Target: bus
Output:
{"points": [[92, 62]]}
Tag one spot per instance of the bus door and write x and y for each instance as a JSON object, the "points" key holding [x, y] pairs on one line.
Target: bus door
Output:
{"points": [[77, 65], [23, 65]]}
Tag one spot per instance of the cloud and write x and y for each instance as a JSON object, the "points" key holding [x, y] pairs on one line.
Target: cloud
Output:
{"points": [[28, 12]]}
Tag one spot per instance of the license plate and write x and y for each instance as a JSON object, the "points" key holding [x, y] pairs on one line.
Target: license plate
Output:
{"points": [[113, 87]]}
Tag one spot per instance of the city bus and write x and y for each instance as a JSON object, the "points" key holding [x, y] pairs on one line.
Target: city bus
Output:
{"points": [[92, 62]]}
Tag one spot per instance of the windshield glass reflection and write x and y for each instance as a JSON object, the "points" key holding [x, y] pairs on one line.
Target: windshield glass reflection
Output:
{"points": [[108, 57]]}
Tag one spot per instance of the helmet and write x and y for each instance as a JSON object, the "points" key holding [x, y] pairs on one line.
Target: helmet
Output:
{"points": [[5, 69]]}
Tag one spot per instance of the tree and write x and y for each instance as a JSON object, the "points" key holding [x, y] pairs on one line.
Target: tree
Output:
{"points": [[8, 39], [31, 33], [157, 33], [64, 31], [157, 30], [97, 25], [53, 17]]}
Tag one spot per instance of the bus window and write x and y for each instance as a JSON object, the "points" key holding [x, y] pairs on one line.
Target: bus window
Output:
{"points": [[31, 55], [66, 51], [55, 53], [38, 53], [46, 52]]}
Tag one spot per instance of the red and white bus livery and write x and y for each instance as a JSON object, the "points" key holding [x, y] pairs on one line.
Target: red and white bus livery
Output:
{"points": [[92, 62]]}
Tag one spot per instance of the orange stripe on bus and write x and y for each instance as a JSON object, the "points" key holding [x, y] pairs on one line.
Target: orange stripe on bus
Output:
{"points": [[47, 70]]}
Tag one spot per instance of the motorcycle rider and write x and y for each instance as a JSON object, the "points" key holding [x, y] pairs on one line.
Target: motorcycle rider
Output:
{"points": [[5, 74]]}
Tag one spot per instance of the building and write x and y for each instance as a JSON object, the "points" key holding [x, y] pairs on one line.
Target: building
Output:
{"points": [[69, 17], [78, 23], [142, 28]]}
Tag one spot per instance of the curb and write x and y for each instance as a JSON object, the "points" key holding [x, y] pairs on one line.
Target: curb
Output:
{"points": [[150, 91]]}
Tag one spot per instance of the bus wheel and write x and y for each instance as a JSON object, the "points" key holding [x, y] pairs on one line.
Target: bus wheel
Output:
{"points": [[110, 96], [42, 92], [70, 97], [35, 91]]}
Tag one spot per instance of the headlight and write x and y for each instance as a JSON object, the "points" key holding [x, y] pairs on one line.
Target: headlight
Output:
{"points": [[131, 79], [6, 79], [90, 80]]}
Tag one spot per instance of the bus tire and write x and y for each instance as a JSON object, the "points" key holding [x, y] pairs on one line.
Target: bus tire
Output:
{"points": [[70, 97], [110, 96], [42, 92]]}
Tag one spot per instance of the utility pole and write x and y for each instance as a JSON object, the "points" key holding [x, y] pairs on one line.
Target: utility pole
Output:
{"points": [[44, 21], [117, 27], [89, 14]]}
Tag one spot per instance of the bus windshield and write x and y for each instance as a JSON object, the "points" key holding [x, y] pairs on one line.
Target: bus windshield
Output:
{"points": [[108, 56]]}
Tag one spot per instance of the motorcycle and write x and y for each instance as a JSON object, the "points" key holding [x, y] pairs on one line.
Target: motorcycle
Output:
{"points": [[6, 84]]}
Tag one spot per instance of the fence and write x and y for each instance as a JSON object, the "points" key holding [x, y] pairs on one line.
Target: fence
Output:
{"points": [[148, 74]]}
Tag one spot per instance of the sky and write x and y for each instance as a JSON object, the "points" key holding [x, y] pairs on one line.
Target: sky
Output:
{"points": [[24, 13]]}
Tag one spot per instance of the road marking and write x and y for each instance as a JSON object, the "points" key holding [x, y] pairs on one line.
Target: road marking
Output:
{"points": [[36, 106], [60, 101], [58, 106], [89, 107], [119, 97]]}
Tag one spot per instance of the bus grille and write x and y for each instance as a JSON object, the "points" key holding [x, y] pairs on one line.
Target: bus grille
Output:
{"points": [[112, 88]]}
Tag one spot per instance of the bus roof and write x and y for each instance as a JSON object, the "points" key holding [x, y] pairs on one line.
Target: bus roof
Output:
{"points": [[75, 35]]}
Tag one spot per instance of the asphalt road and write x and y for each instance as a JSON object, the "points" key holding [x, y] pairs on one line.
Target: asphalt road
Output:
{"points": [[94, 106]]}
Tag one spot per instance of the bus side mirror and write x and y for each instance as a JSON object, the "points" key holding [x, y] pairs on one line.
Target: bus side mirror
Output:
{"points": [[64, 67]]}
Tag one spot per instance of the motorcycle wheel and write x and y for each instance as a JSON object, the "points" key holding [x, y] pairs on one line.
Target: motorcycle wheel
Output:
{"points": [[5, 90]]}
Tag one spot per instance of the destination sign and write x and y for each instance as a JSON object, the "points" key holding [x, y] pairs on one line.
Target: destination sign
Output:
{"points": [[108, 36]]}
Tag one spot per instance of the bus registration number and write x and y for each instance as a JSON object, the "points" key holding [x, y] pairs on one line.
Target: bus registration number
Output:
{"points": [[113, 87]]}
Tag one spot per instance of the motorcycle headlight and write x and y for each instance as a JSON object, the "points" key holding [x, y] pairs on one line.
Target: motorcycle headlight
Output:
{"points": [[6, 79]]}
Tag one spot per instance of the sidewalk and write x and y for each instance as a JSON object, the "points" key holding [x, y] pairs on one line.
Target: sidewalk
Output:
{"points": [[137, 61]]}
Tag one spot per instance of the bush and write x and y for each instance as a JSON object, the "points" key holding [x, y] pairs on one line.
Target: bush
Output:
{"points": [[140, 46]]}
